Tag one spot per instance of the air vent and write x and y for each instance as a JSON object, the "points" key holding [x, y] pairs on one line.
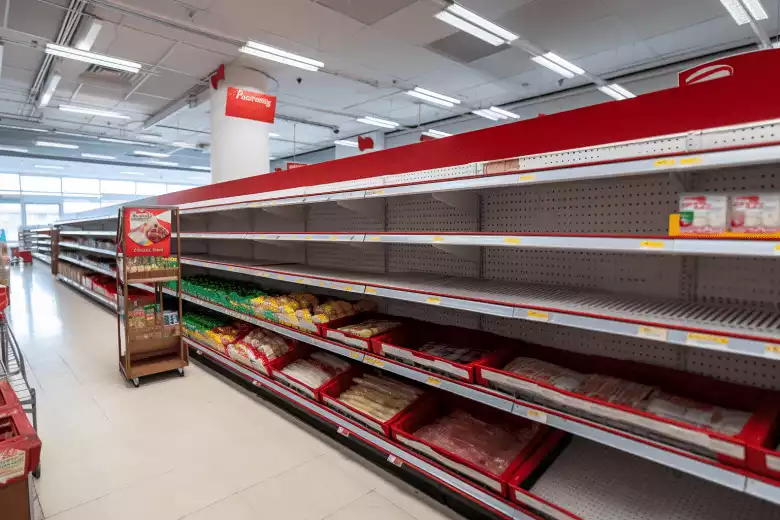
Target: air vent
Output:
{"points": [[97, 74]]}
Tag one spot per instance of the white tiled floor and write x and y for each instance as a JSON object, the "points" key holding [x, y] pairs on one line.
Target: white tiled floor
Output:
{"points": [[196, 447]]}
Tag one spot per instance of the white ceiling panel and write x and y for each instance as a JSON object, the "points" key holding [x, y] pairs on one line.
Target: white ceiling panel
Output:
{"points": [[698, 37], [619, 58], [132, 44], [504, 64], [451, 79], [38, 18], [170, 86], [648, 19], [366, 12], [415, 24], [194, 61]]}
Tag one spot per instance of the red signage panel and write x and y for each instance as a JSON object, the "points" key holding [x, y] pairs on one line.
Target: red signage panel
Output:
{"points": [[250, 105], [147, 232]]}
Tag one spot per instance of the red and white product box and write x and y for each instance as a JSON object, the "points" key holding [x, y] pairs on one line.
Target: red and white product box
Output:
{"points": [[329, 395], [755, 213], [729, 449], [403, 345], [704, 213], [304, 389], [20, 447], [527, 474], [331, 330], [441, 405]]}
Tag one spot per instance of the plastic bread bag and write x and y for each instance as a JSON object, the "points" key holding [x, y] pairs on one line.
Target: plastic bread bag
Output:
{"points": [[544, 372], [722, 420], [615, 390]]}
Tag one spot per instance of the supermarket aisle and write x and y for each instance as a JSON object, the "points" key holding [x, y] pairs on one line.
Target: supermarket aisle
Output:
{"points": [[193, 447]]}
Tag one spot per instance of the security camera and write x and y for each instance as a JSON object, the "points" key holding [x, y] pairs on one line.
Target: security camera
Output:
{"points": [[299, 80], [336, 130], [560, 82]]}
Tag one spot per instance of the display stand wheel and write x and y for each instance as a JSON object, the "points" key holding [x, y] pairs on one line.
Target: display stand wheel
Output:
{"points": [[136, 382], [181, 372], [37, 472]]}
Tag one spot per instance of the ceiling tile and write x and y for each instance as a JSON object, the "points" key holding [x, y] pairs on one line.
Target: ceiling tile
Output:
{"points": [[170, 86], [132, 44], [464, 47], [192, 60], [508, 62], [451, 78], [38, 18], [648, 19], [366, 12], [415, 24]]}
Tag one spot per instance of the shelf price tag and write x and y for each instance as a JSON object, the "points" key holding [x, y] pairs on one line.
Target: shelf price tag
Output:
{"points": [[656, 333], [374, 239], [434, 381], [355, 355], [527, 177], [773, 351], [537, 415], [433, 300], [396, 461], [370, 290], [652, 244], [664, 162], [699, 339], [777, 249], [512, 240], [343, 431], [689, 161], [537, 315], [299, 280], [438, 239], [348, 288]]}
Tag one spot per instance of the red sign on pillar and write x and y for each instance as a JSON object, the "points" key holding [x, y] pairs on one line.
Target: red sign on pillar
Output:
{"points": [[250, 105]]}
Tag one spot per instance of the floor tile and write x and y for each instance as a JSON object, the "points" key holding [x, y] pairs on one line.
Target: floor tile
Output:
{"points": [[371, 506], [231, 508]]}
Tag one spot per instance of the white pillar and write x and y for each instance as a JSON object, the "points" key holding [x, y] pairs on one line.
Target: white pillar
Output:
{"points": [[239, 147]]}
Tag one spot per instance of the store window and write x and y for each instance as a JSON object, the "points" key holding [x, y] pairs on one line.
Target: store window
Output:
{"points": [[149, 188], [117, 187], [41, 214], [9, 183], [35, 184], [77, 206], [75, 185], [11, 220]]}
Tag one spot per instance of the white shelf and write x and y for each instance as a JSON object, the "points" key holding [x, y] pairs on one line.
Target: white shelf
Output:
{"points": [[617, 244], [42, 257], [636, 445], [95, 296], [347, 427], [747, 332], [106, 234], [92, 267], [73, 245]]}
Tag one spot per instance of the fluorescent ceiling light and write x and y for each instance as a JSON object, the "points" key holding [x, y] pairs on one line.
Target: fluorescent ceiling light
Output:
{"points": [[181, 144], [49, 167], [272, 134], [48, 91], [16, 149], [150, 137], [72, 134], [382, 123], [123, 141], [88, 40], [350, 144], [272, 158], [131, 173], [28, 128], [49, 144], [431, 93], [487, 114], [151, 154], [503, 112], [433, 97], [557, 64], [472, 23], [740, 15], [163, 163], [463, 25], [616, 91], [436, 133], [91, 57], [98, 156], [267, 52], [93, 112], [204, 168]]}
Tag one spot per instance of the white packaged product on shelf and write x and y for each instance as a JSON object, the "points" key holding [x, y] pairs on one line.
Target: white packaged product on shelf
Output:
{"points": [[755, 213], [704, 213]]}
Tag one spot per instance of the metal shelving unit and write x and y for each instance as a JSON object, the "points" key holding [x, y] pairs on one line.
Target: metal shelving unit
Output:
{"points": [[566, 249], [111, 304], [99, 250]]}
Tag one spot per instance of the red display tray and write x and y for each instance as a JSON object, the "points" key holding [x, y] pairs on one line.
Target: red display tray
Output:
{"points": [[8, 398], [304, 389], [329, 394], [403, 346], [330, 330], [296, 350], [20, 447], [404, 429], [763, 455], [732, 450]]}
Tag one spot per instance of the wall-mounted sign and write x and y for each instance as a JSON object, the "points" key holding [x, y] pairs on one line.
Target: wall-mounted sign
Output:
{"points": [[147, 232], [293, 165], [250, 105]]}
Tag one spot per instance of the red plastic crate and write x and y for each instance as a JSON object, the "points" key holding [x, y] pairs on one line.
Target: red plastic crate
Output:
{"points": [[330, 330], [8, 398], [763, 457], [403, 430], [329, 394], [20, 447], [727, 449], [402, 345], [304, 389]]}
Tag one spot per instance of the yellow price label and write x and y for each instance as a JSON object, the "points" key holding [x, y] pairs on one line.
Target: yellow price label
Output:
{"points": [[773, 350], [538, 315], [299, 280], [435, 381], [656, 333], [537, 415], [347, 287], [379, 192], [322, 284], [378, 363], [688, 161], [664, 162], [334, 238], [512, 240], [777, 248], [308, 237], [231, 268], [698, 338], [355, 355], [370, 290], [652, 244], [433, 300], [527, 177], [438, 239], [374, 239]]}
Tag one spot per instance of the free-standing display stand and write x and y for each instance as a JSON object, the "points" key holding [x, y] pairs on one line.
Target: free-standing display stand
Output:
{"points": [[149, 334]]}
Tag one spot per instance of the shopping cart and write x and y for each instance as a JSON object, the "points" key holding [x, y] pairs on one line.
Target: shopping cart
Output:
{"points": [[12, 369]]}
